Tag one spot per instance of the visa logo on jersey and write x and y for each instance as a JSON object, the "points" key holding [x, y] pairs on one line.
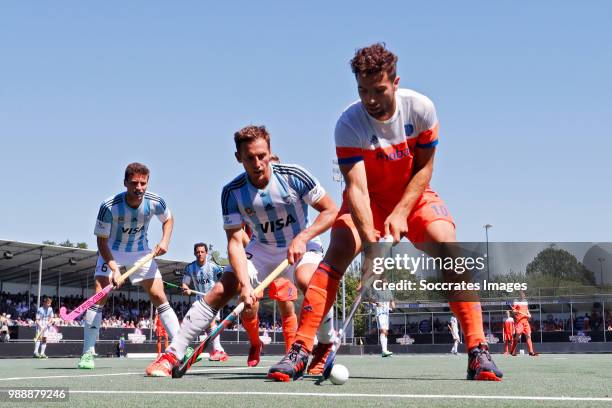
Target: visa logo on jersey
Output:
{"points": [[132, 231], [271, 226]]}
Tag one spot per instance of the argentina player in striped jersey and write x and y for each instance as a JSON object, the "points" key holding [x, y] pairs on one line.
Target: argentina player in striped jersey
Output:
{"points": [[121, 231], [204, 274], [44, 316], [272, 200]]}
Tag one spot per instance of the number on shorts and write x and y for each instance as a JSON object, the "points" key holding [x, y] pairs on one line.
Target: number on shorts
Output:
{"points": [[440, 210]]}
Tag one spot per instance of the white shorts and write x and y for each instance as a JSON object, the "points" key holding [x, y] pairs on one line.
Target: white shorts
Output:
{"points": [[263, 259], [382, 320], [127, 259], [40, 333]]}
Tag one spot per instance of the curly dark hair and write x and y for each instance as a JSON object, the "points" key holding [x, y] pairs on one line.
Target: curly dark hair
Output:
{"points": [[249, 134], [136, 168], [374, 59]]}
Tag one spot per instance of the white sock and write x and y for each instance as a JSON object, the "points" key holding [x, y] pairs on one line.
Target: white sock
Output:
{"points": [[383, 342], [91, 327], [36, 346], [326, 329], [198, 318], [168, 319], [43, 347], [217, 344]]}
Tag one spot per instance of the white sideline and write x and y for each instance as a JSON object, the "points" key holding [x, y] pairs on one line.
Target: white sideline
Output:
{"points": [[341, 395], [140, 372]]}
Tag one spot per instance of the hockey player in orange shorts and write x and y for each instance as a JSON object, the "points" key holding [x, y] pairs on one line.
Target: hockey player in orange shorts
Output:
{"points": [[508, 332], [160, 332], [385, 144], [520, 308]]}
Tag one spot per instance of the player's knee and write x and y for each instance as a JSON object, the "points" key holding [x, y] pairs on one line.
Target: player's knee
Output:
{"points": [[227, 287], [286, 308], [303, 275], [343, 247], [440, 231], [158, 298], [248, 314]]}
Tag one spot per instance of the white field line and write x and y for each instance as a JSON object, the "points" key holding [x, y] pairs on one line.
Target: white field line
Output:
{"points": [[349, 395], [141, 372]]}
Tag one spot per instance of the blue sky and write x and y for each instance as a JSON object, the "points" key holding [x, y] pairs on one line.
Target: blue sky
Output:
{"points": [[521, 88]]}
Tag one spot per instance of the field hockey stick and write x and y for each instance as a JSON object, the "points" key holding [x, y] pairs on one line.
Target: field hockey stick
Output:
{"points": [[95, 298], [178, 372], [41, 331], [172, 285], [331, 358]]}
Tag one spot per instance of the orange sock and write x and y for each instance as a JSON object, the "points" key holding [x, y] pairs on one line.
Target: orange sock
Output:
{"points": [[506, 344], [470, 317], [319, 298], [290, 324], [529, 345], [252, 328]]}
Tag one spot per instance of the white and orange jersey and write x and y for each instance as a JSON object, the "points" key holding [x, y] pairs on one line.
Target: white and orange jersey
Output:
{"points": [[387, 147], [521, 310]]}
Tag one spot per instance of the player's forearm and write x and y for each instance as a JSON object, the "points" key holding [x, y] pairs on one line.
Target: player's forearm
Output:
{"points": [[322, 223], [359, 203], [238, 261], [414, 190], [167, 227], [104, 250]]}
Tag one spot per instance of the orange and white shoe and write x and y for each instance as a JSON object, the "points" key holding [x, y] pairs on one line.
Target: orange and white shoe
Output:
{"points": [[162, 367], [254, 355], [218, 355], [319, 355]]}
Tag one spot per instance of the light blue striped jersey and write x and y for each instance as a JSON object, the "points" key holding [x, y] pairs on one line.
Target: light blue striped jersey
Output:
{"points": [[126, 227], [276, 213], [204, 277], [43, 315]]}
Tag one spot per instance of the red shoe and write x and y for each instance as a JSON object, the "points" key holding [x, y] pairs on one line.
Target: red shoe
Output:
{"points": [[218, 355], [162, 367], [254, 355], [319, 355]]}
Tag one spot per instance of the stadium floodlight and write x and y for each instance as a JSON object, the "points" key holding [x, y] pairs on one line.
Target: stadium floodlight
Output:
{"points": [[486, 228], [72, 261], [8, 255]]}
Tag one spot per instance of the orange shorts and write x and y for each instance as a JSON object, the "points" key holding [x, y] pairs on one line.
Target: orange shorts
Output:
{"points": [[522, 327], [508, 337], [160, 332], [428, 209], [282, 289]]}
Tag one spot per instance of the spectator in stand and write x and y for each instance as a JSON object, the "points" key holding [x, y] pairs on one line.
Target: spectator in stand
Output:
{"points": [[5, 321]]}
